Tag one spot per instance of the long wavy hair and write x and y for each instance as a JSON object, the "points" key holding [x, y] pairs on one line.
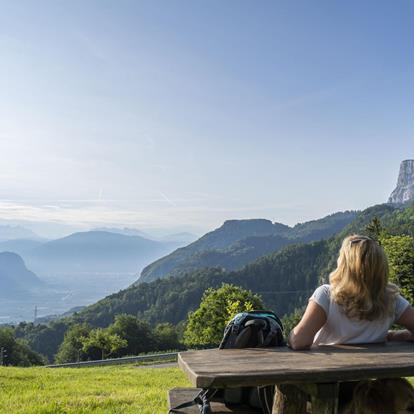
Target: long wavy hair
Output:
{"points": [[360, 282]]}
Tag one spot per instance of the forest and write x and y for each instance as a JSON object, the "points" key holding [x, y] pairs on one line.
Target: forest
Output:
{"points": [[153, 316]]}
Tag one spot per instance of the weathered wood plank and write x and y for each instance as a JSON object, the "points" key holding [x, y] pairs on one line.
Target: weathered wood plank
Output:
{"points": [[250, 367], [325, 400], [177, 396], [289, 399]]}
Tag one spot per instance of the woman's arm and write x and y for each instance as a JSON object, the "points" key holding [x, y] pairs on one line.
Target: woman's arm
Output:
{"points": [[303, 333], [406, 320]]}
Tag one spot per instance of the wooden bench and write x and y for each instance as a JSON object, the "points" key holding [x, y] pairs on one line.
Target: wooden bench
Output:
{"points": [[298, 374], [177, 396]]}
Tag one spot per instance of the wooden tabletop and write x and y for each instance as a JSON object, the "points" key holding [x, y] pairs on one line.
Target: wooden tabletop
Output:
{"points": [[262, 366]]}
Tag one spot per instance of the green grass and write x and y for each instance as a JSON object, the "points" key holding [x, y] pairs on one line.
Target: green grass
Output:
{"points": [[115, 390]]}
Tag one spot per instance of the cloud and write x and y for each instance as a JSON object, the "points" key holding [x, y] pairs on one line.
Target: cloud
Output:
{"points": [[161, 212]]}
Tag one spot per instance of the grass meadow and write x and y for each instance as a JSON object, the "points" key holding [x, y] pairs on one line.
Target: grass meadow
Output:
{"points": [[115, 390]]}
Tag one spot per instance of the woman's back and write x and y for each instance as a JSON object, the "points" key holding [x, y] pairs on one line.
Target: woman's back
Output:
{"points": [[359, 305], [340, 329]]}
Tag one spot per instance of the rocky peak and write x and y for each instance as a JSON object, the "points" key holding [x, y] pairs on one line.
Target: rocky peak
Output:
{"points": [[404, 192]]}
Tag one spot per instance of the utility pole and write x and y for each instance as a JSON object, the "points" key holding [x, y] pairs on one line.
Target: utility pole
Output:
{"points": [[3, 355], [35, 313]]}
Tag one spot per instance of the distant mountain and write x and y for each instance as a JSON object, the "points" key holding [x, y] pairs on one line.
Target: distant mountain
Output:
{"points": [[179, 238], [49, 318], [239, 242], [96, 251], [404, 192], [223, 237], [126, 231], [19, 246], [8, 232], [15, 279], [183, 237]]}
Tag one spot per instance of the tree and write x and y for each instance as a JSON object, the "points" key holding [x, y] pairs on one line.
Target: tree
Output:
{"points": [[166, 336], [135, 332], [17, 352], [71, 349], [400, 252], [235, 306], [104, 341], [41, 338], [291, 320], [374, 229], [205, 326]]}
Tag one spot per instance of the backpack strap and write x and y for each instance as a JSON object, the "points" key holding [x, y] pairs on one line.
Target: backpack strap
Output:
{"points": [[227, 333], [202, 399], [232, 330], [266, 395], [275, 334]]}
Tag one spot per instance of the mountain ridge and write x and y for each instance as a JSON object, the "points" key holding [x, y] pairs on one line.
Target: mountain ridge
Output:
{"points": [[15, 278], [237, 242], [97, 251]]}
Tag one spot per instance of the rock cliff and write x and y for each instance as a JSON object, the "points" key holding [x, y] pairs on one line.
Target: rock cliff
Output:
{"points": [[404, 192]]}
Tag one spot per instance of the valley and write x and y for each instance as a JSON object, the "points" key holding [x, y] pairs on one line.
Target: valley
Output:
{"points": [[61, 294]]}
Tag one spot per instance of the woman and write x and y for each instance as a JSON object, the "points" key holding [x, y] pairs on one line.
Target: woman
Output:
{"points": [[359, 305]]}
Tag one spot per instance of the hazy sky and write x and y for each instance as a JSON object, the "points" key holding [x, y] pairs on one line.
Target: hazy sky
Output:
{"points": [[181, 114]]}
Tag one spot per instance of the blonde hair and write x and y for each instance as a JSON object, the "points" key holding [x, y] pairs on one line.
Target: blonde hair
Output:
{"points": [[360, 282]]}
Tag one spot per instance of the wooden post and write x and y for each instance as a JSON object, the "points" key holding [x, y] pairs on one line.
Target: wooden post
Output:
{"points": [[325, 401], [324, 406], [289, 400]]}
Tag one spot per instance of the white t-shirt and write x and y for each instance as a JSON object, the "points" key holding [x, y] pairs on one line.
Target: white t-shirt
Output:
{"points": [[339, 329]]}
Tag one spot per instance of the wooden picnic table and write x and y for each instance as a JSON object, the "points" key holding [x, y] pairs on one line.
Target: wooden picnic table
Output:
{"points": [[316, 372]]}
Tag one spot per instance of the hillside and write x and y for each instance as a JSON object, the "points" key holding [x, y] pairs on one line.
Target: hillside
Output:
{"points": [[96, 251], [285, 279], [294, 271], [15, 279], [402, 221], [239, 242]]}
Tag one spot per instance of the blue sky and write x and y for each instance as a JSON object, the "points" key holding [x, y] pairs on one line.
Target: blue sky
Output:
{"points": [[181, 114]]}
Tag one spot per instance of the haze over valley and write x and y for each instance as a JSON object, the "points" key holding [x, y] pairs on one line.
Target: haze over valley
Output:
{"points": [[71, 271]]}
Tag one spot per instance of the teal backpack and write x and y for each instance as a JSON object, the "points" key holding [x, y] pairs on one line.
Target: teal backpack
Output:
{"points": [[255, 329]]}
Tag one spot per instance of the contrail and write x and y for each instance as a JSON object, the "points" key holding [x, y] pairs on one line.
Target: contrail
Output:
{"points": [[170, 202]]}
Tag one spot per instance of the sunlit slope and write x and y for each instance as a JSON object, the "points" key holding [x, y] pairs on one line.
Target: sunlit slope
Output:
{"points": [[239, 242]]}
